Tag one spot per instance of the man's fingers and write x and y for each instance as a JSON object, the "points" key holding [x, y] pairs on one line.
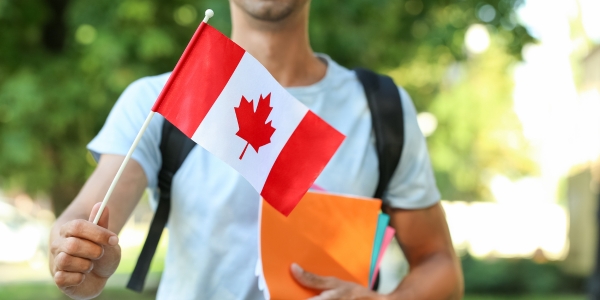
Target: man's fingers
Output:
{"points": [[81, 248], [69, 263], [327, 295], [87, 230], [313, 281], [103, 222], [66, 279]]}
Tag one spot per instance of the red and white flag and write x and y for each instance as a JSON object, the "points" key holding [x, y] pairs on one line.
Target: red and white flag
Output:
{"points": [[227, 102]]}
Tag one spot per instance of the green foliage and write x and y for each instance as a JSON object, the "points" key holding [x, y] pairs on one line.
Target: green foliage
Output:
{"points": [[51, 292], [526, 297], [383, 34], [31, 291], [517, 276], [63, 63]]}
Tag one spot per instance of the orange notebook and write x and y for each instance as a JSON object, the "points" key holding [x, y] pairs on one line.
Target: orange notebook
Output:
{"points": [[327, 234]]}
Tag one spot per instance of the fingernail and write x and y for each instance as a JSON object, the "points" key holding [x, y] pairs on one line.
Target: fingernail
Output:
{"points": [[297, 268], [113, 240]]}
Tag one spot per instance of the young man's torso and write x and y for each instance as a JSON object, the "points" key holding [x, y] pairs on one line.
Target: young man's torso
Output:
{"points": [[212, 251]]}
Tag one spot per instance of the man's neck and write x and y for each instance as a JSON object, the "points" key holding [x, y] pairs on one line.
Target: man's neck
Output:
{"points": [[283, 47]]}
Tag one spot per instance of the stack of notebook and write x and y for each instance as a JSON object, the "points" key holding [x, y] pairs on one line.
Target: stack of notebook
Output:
{"points": [[326, 234]]}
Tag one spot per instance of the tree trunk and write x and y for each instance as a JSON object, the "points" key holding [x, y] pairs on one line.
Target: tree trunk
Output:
{"points": [[55, 30]]}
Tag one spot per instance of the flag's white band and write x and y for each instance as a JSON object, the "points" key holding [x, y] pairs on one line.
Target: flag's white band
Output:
{"points": [[217, 132]]}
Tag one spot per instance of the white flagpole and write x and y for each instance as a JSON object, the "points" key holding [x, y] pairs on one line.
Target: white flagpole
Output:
{"points": [[207, 15], [122, 167]]}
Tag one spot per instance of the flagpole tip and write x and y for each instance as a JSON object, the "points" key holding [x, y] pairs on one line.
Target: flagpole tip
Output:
{"points": [[209, 13]]}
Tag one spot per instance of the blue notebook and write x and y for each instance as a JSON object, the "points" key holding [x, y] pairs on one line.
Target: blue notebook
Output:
{"points": [[382, 222]]}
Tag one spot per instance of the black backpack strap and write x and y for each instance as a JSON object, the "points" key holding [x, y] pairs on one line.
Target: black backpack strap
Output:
{"points": [[174, 148], [388, 124]]}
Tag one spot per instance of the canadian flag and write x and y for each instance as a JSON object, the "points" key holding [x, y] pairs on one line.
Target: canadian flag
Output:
{"points": [[227, 102]]}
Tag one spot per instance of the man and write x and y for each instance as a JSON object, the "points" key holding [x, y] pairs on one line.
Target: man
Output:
{"points": [[212, 243]]}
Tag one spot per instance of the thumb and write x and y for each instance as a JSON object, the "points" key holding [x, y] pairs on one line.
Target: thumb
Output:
{"points": [[313, 281], [103, 222]]}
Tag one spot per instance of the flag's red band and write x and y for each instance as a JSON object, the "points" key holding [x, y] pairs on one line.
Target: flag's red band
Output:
{"points": [[300, 162], [201, 74]]}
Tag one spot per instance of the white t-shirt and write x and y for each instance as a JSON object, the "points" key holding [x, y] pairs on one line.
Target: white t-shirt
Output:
{"points": [[212, 250]]}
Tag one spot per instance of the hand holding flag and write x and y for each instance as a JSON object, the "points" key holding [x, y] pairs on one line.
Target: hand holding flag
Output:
{"points": [[225, 100]]}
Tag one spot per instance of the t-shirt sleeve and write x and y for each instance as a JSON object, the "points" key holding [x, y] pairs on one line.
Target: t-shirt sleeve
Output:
{"points": [[123, 124], [413, 185]]}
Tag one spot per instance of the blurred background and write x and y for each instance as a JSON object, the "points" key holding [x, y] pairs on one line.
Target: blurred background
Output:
{"points": [[508, 94]]}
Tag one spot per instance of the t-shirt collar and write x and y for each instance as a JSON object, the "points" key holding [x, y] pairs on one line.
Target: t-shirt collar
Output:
{"points": [[299, 91]]}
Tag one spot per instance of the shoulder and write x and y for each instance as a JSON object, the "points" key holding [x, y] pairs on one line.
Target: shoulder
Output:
{"points": [[150, 85], [408, 107], [344, 78], [124, 122], [338, 77], [140, 94], [413, 185]]}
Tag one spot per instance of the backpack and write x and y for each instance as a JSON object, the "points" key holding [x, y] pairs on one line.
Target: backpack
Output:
{"points": [[385, 105]]}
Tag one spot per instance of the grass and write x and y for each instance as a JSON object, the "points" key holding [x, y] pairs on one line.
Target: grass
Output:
{"points": [[525, 297], [50, 292], [35, 289], [116, 290]]}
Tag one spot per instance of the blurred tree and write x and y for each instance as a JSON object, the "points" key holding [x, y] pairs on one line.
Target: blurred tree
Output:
{"points": [[517, 277], [478, 134], [63, 63]]}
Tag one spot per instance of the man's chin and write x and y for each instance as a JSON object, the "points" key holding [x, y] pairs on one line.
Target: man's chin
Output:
{"points": [[269, 11]]}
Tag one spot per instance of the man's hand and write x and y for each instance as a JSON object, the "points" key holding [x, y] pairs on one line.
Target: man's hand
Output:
{"points": [[435, 271], [84, 256], [331, 287]]}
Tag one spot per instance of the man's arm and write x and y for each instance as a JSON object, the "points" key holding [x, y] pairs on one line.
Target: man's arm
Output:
{"points": [[435, 271], [83, 255]]}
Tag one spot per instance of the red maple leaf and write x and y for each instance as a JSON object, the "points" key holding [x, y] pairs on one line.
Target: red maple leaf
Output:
{"points": [[252, 124]]}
